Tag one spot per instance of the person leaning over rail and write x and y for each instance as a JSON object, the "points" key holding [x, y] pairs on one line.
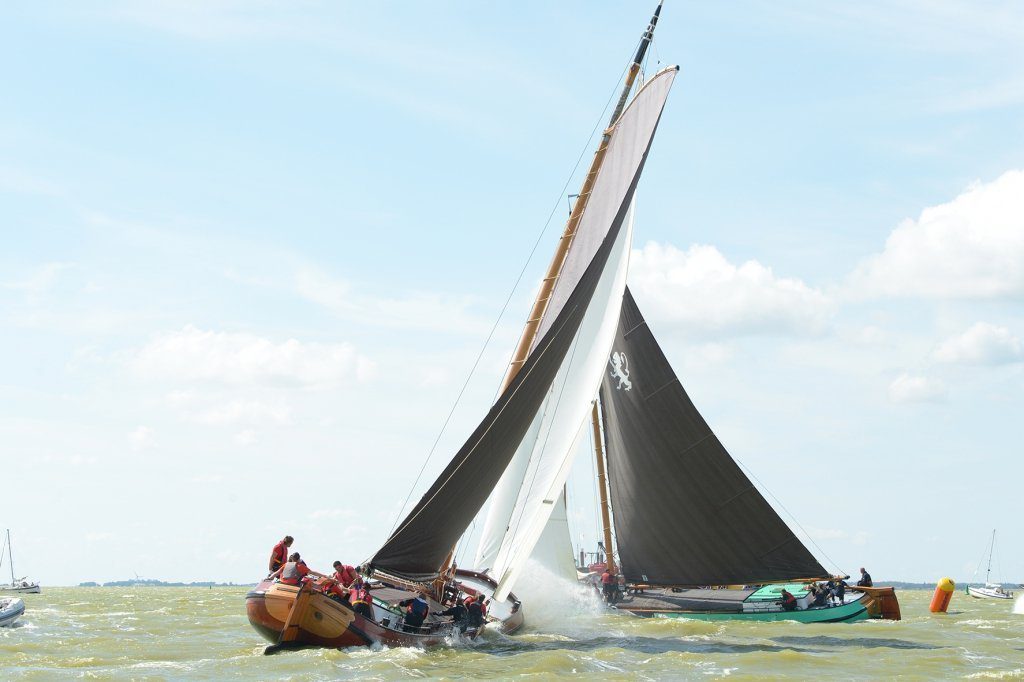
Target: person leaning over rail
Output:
{"points": [[294, 571]]}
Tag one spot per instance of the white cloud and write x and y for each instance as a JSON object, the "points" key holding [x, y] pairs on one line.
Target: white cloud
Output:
{"points": [[40, 281], [332, 514], [982, 344], [244, 359], [245, 438], [141, 438], [250, 411], [704, 293], [417, 310], [971, 247], [916, 389], [859, 537]]}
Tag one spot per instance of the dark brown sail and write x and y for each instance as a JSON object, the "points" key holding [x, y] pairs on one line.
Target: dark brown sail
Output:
{"points": [[684, 512]]}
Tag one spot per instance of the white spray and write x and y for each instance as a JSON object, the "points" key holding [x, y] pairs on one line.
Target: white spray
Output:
{"points": [[1018, 606]]}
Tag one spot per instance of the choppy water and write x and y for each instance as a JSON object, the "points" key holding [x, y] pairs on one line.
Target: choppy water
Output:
{"points": [[200, 634]]}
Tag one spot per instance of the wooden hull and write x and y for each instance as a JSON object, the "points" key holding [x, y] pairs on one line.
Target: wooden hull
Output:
{"points": [[293, 617], [881, 602]]}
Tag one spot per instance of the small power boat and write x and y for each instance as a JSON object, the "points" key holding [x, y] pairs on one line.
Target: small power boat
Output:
{"points": [[11, 609]]}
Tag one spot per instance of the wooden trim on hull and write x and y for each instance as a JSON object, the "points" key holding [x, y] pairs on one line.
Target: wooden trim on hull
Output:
{"points": [[881, 602], [319, 621]]}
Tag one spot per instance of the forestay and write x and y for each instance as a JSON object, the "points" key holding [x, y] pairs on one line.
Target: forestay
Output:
{"points": [[685, 514]]}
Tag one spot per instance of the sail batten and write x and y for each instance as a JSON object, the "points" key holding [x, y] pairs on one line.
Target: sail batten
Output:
{"points": [[685, 514]]}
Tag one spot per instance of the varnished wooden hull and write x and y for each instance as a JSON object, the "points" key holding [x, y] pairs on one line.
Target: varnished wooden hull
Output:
{"points": [[319, 621]]}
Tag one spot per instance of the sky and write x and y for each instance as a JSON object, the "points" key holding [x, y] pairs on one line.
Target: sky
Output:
{"points": [[252, 250]]}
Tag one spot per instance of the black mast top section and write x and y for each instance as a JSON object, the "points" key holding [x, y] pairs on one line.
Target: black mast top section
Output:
{"points": [[648, 36]]}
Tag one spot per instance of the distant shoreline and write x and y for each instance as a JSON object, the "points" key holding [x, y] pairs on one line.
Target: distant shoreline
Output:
{"points": [[160, 583]]}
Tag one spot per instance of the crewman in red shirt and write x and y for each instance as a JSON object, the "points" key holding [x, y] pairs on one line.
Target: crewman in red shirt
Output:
{"points": [[346, 575], [279, 555]]}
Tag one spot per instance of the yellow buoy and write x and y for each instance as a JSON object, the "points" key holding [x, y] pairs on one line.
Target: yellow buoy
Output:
{"points": [[943, 593]]}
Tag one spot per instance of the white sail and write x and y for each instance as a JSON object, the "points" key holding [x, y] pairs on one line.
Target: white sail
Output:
{"points": [[503, 499], [626, 152], [554, 547], [568, 409]]}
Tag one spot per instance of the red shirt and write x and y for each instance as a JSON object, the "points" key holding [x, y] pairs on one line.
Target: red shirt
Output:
{"points": [[607, 578], [346, 576], [278, 555]]}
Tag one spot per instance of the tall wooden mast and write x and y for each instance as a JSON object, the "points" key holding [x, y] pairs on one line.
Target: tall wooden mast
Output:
{"points": [[540, 304], [602, 486]]}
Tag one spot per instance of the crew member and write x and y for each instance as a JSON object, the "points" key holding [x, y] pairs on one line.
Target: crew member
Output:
{"points": [[346, 575], [362, 600], [839, 589], [609, 585], [788, 600], [459, 614], [819, 594], [865, 579], [294, 571], [279, 555], [416, 611], [476, 611]]}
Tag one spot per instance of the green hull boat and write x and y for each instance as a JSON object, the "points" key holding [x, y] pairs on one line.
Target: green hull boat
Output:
{"points": [[756, 604]]}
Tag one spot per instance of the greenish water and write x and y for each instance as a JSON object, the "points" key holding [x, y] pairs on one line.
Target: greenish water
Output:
{"points": [[202, 634]]}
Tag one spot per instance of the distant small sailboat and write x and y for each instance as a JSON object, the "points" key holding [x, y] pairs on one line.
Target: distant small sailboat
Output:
{"points": [[17, 585], [11, 609], [991, 590]]}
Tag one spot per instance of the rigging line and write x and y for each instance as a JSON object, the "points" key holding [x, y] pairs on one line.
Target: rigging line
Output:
{"points": [[790, 515], [508, 300], [458, 466]]}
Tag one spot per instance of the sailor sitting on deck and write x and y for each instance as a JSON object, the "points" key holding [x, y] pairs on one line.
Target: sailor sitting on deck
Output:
{"points": [[819, 594], [294, 571], [865, 579], [788, 600], [416, 611]]}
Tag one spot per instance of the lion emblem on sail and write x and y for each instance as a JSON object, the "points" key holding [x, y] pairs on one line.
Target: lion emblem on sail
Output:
{"points": [[620, 370]]}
